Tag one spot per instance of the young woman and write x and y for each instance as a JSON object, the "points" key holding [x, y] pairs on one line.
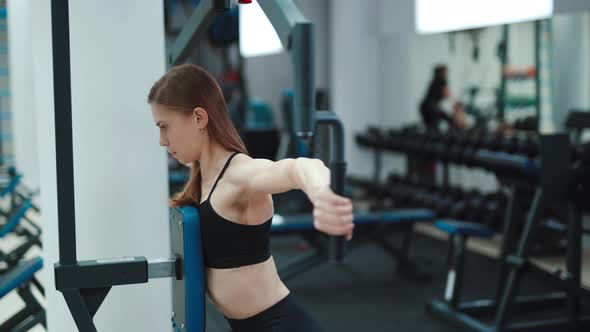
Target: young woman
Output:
{"points": [[430, 109], [233, 194]]}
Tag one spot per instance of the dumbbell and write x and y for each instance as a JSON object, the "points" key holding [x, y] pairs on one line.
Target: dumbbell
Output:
{"points": [[443, 148], [457, 144], [492, 141], [531, 145], [371, 138], [450, 195], [488, 209], [494, 211], [476, 207], [432, 139], [407, 191], [426, 196], [405, 139], [370, 189], [439, 149], [379, 137], [393, 140], [460, 209], [414, 141], [526, 145], [439, 199], [469, 142], [421, 138], [474, 143], [362, 139], [400, 190], [509, 143], [425, 145]]}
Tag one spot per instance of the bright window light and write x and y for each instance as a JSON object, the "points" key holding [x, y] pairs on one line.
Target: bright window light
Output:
{"points": [[257, 36], [434, 16]]}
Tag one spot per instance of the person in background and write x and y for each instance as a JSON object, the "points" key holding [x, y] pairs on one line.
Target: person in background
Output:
{"points": [[430, 109]]}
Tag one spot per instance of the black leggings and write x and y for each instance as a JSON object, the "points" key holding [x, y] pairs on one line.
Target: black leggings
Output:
{"points": [[285, 316]]}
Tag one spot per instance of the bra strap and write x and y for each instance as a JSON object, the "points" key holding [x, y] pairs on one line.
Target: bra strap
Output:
{"points": [[222, 172]]}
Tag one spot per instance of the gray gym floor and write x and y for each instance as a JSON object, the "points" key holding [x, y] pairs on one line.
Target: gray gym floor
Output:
{"points": [[369, 296]]}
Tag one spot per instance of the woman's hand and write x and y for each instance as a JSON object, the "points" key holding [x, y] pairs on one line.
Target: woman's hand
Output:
{"points": [[332, 214], [459, 116]]}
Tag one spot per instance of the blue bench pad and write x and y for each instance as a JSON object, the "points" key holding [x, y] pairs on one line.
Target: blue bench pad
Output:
{"points": [[15, 218], [456, 227], [178, 177], [19, 275], [14, 182], [194, 270], [304, 222]]}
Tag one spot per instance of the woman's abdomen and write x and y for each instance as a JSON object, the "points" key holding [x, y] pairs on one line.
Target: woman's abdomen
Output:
{"points": [[245, 291]]}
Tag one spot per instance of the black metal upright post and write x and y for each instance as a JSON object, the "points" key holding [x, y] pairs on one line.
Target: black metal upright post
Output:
{"points": [[63, 131], [538, 91], [503, 54], [458, 263], [518, 261], [337, 169], [60, 28], [574, 262], [378, 161], [509, 233]]}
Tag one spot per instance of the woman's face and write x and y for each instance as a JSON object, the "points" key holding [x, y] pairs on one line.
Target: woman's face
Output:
{"points": [[180, 132]]}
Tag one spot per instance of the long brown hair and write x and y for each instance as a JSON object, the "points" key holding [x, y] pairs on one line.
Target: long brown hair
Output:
{"points": [[183, 88]]}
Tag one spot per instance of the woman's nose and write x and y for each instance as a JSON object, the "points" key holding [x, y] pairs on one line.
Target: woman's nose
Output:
{"points": [[163, 141]]}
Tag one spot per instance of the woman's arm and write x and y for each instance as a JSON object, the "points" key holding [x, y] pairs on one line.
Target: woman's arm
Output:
{"points": [[332, 213], [267, 177]]}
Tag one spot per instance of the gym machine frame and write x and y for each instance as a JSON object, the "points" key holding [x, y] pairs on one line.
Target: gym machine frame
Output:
{"points": [[85, 284]]}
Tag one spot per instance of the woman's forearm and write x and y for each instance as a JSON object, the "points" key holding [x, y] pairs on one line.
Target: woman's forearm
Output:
{"points": [[311, 175]]}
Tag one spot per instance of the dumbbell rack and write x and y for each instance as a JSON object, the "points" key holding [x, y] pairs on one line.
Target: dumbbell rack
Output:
{"points": [[547, 175], [552, 189], [472, 149]]}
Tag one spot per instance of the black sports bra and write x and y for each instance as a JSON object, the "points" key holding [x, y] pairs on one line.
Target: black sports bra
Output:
{"points": [[227, 244]]}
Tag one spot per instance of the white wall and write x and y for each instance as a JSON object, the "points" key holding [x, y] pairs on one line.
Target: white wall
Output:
{"points": [[571, 63], [571, 6], [21, 86], [355, 74], [117, 52]]}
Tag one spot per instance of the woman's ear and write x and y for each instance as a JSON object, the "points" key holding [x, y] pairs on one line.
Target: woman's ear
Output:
{"points": [[201, 117]]}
